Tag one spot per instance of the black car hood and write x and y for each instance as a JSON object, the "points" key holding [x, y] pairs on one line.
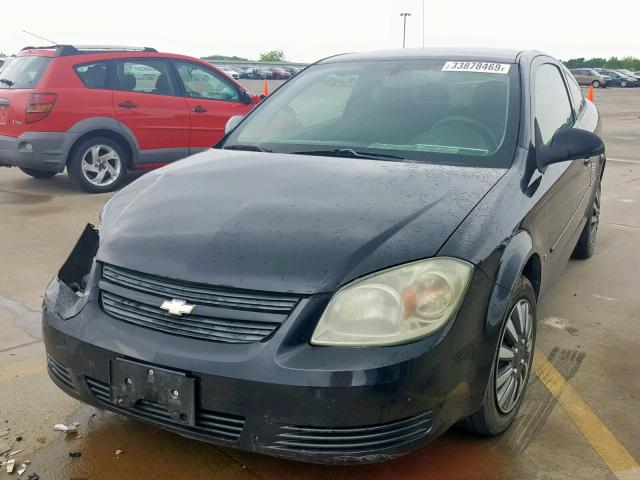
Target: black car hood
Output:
{"points": [[286, 223]]}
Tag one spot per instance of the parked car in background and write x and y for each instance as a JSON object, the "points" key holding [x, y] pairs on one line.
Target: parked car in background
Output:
{"points": [[629, 73], [344, 277], [590, 76], [100, 111], [619, 79], [279, 73], [254, 73], [229, 71], [292, 70]]}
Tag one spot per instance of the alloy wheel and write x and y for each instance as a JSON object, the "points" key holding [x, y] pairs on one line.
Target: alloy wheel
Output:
{"points": [[514, 356], [101, 165]]}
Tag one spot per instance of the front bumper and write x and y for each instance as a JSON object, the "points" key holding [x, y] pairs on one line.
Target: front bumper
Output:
{"points": [[36, 150], [282, 396]]}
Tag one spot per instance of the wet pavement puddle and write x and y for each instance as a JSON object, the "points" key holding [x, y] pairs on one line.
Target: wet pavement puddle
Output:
{"points": [[151, 453]]}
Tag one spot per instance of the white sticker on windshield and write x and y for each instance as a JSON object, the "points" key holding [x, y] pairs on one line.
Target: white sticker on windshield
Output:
{"points": [[481, 67]]}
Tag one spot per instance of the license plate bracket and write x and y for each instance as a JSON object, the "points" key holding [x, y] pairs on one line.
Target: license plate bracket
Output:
{"points": [[133, 382]]}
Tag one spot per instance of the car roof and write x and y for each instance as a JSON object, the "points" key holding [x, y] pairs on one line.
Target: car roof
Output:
{"points": [[486, 54]]}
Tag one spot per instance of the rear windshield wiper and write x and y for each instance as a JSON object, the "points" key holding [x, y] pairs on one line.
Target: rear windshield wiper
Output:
{"points": [[350, 153], [6, 81], [249, 148]]}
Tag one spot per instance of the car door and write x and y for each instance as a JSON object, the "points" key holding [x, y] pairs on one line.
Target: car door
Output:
{"points": [[147, 100], [212, 99], [567, 182]]}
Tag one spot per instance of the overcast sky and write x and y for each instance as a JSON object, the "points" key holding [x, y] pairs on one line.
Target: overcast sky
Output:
{"points": [[311, 29]]}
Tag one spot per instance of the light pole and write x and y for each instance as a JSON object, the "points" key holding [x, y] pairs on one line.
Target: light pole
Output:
{"points": [[404, 29]]}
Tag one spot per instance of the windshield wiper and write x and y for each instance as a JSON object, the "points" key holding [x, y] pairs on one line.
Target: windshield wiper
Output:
{"points": [[249, 148], [6, 81], [350, 153]]}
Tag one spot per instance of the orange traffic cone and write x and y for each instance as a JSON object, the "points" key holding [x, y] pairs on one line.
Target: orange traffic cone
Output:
{"points": [[265, 88], [590, 94]]}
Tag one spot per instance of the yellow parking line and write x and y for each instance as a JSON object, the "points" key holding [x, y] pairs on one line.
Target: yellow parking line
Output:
{"points": [[617, 458]]}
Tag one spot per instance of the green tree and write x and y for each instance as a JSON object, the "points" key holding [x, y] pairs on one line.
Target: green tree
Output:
{"points": [[232, 58], [272, 56], [630, 63]]}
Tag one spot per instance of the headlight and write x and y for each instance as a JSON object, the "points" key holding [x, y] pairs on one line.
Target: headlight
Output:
{"points": [[395, 306]]}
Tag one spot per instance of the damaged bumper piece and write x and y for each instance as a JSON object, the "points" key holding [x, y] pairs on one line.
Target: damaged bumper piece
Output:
{"points": [[109, 344]]}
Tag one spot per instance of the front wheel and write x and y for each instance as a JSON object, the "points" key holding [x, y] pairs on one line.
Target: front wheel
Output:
{"points": [[98, 165], [512, 365], [587, 241], [41, 174], [623, 84], [596, 84]]}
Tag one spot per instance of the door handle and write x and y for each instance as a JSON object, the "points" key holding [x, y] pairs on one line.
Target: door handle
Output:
{"points": [[127, 104], [587, 161], [4, 102], [198, 109]]}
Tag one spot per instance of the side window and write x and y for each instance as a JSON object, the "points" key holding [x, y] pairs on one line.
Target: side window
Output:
{"points": [[576, 94], [93, 75], [145, 76], [200, 82], [552, 107]]}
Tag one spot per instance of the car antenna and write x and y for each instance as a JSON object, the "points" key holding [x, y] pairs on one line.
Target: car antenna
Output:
{"points": [[41, 38]]}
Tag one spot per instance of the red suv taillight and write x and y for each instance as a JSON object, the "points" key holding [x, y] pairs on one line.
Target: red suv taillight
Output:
{"points": [[39, 106]]}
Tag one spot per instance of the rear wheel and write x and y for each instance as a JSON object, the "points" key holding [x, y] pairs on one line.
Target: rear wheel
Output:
{"points": [[41, 174], [512, 365], [98, 165], [587, 241], [596, 84]]}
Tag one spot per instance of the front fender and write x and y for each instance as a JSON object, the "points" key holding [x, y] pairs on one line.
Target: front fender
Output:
{"points": [[514, 258]]}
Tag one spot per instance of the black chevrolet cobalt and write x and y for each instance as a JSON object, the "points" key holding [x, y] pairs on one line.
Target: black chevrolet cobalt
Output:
{"points": [[355, 268]]}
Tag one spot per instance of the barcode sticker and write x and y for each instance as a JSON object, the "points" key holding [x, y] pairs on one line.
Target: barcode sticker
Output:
{"points": [[481, 67]]}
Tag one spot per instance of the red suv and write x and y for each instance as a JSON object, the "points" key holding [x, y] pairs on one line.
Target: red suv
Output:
{"points": [[101, 111]]}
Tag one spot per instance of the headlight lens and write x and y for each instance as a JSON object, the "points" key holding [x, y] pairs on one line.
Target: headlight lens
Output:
{"points": [[395, 306]]}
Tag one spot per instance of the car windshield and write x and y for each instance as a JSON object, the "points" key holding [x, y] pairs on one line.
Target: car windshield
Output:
{"points": [[413, 110], [23, 72]]}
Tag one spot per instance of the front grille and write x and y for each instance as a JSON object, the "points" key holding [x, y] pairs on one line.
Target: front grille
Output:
{"points": [[194, 326], [60, 373], [221, 426], [353, 439], [226, 316], [199, 293]]}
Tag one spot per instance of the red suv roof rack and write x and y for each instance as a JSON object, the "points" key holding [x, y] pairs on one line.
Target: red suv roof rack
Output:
{"points": [[66, 50]]}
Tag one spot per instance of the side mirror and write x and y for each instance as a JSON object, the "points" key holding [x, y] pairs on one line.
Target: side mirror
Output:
{"points": [[232, 123], [246, 98], [567, 144]]}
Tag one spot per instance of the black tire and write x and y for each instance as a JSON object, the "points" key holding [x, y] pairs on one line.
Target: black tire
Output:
{"points": [[41, 174], [623, 84], [78, 177], [489, 419], [596, 84], [587, 241]]}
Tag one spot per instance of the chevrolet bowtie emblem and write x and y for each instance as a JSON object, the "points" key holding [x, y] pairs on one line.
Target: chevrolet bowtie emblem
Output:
{"points": [[177, 308]]}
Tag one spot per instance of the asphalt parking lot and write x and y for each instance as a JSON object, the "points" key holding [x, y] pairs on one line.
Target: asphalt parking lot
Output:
{"points": [[579, 419]]}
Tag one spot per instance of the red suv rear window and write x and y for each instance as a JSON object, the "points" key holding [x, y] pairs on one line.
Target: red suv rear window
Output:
{"points": [[23, 72]]}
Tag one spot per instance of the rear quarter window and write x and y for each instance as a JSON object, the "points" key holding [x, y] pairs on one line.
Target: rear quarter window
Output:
{"points": [[24, 72], [93, 75]]}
